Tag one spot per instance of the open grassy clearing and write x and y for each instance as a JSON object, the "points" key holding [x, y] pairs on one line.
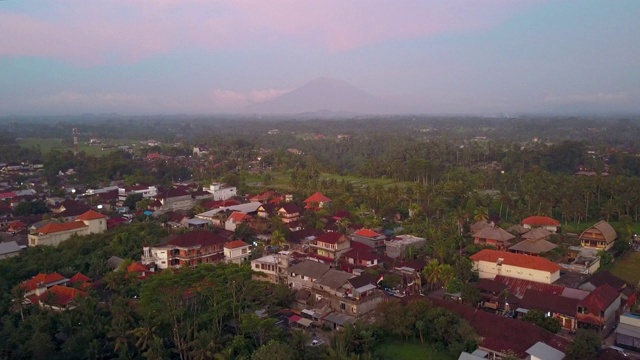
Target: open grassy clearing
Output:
{"points": [[410, 351], [627, 268], [47, 145]]}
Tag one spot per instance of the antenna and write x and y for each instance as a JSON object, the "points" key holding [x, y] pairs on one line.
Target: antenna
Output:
{"points": [[75, 142]]}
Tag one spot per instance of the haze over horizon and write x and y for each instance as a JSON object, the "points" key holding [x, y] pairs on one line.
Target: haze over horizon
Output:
{"points": [[237, 56]]}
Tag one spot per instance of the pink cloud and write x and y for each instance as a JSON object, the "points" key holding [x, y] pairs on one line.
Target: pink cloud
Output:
{"points": [[91, 32]]}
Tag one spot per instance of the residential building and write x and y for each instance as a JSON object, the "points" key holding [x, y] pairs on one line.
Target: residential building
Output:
{"points": [[400, 245], [330, 245], [272, 268], [9, 249], [289, 213], [147, 192], [59, 298], [535, 242], [600, 236], [545, 222], [494, 236], [189, 249], [175, 199], [370, 238], [361, 256], [599, 310], [221, 191], [236, 252], [304, 274], [562, 308], [489, 263], [317, 201], [41, 282], [266, 210], [236, 219], [52, 234], [627, 293], [628, 331], [542, 351]]}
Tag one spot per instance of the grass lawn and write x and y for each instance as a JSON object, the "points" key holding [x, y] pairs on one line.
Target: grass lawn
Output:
{"points": [[410, 351], [627, 268]]}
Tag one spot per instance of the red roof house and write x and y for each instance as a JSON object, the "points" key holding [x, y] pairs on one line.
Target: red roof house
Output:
{"points": [[490, 263], [60, 297], [316, 201]]}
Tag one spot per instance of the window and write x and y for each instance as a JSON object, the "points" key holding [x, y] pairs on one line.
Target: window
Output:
{"points": [[343, 306], [257, 266], [244, 251]]}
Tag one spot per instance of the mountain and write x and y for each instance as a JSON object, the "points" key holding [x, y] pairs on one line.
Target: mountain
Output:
{"points": [[326, 95]]}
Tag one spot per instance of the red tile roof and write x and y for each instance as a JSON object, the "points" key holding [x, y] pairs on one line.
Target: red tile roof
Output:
{"points": [[45, 279], [58, 227], [520, 260], [361, 253], [600, 298], [197, 238], [519, 286], [540, 221], [317, 198], [330, 237], [367, 233], [136, 267], [235, 244], [91, 215], [79, 277], [239, 217], [60, 296]]}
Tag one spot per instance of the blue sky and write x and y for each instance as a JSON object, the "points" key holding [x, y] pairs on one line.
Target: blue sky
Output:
{"points": [[202, 56]]}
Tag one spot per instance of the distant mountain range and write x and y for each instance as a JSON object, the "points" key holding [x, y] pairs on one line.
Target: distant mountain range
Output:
{"points": [[325, 96]]}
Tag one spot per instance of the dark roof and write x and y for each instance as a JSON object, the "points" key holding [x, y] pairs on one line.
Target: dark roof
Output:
{"points": [[605, 277], [500, 333], [197, 238], [361, 253], [181, 191], [542, 301], [297, 236], [268, 208], [330, 237], [490, 286], [70, 212], [362, 280], [291, 208], [600, 298]]}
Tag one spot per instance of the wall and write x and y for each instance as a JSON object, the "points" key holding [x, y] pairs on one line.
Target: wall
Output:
{"points": [[489, 270]]}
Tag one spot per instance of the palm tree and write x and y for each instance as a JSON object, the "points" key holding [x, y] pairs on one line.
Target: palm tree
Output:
{"points": [[18, 293], [277, 239], [431, 273]]}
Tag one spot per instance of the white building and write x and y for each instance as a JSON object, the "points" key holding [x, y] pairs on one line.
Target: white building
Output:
{"points": [[272, 268], [54, 233], [220, 191], [400, 245], [236, 252], [489, 263]]}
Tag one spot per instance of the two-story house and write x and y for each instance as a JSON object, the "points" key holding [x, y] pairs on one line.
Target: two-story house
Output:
{"points": [[361, 255], [401, 245], [52, 234], [599, 310], [175, 199], [370, 238], [236, 219], [494, 236], [221, 191], [271, 268], [600, 236], [330, 245], [489, 263], [289, 213], [304, 274], [545, 222], [236, 252], [189, 249], [317, 201], [562, 308]]}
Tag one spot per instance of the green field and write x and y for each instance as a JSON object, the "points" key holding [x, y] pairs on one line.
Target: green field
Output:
{"points": [[410, 351], [627, 268], [47, 145]]}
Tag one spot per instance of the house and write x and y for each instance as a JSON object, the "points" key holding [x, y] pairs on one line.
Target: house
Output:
{"points": [[361, 256], [562, 308], [600, 236], [176, 219], [545, 222], [494, 236], [60, 298], [189, 249], [304, 274], [628, 331], [542, 351], [272, 268], [317, 201], [41, 282], [236, 219], [330, 245], [401, 245], [236, 252], [70, 214], [535, 242], [266, 210], [369, 238], [627, 293], [175, 199], [9, 249], [289, 213], [599, 310], [15, 227], [147, 192], [221, 191], [52, 234], [489, 263], [496, 295], [80, 281]]}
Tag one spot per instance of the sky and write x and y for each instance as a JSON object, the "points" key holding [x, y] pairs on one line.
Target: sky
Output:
{"points": [[219, 56]]}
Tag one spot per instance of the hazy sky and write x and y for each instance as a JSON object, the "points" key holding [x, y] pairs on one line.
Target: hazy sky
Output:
{"points": [[206, 56]]}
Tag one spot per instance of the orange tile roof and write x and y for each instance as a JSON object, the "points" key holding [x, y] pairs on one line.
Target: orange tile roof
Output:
{"points": [[239, 216], [91, 215], [32, 283], [137, 267], [79, 277], [60, 295], [59, 227], [540, 221], [235, 244], [520, 260], [317, 198], [367, 233]]}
